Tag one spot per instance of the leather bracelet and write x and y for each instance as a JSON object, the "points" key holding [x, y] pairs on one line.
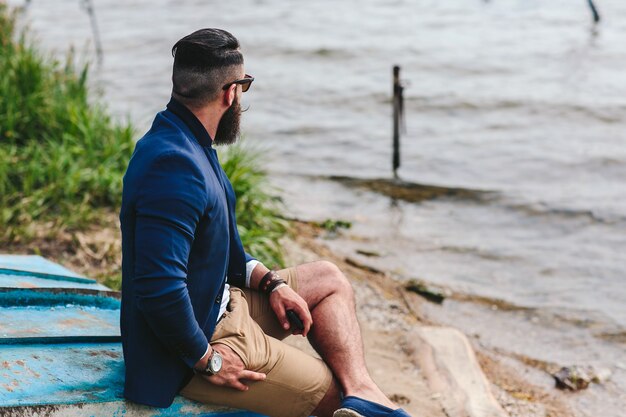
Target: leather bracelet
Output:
{"points": [[273, 284], [267, 278], [279, 286]]}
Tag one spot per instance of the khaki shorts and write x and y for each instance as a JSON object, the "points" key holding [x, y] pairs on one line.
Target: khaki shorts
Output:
{"points": [[296, 382]]}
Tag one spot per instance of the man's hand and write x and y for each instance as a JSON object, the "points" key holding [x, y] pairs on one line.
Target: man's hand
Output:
{"points": [[284, 299], [232, 373]]}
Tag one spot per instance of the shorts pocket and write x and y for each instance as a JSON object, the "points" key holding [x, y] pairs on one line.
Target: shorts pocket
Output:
{"points": [[233, 328]]}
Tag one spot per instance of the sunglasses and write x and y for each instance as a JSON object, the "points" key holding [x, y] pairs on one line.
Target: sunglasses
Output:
{"points": [[245, 82]]}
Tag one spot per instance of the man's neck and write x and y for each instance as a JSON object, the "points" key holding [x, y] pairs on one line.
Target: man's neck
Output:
{"points": [[209, 118], [209, 115]]}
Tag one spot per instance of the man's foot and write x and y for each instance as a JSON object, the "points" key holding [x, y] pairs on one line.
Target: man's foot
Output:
{"points": [[369, 392], [358, 407]]}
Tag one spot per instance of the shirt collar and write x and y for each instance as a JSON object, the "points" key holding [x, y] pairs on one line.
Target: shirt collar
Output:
{"points": [[192, 122]]}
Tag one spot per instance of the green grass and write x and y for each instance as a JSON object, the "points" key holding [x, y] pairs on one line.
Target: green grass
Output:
{"points": [[259, 218], [62, 159]]}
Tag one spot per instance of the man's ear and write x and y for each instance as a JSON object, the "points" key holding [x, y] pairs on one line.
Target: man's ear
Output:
{"points": [[229, 95]]}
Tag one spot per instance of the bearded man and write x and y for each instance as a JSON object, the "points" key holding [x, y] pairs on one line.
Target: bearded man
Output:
{"points": [[200, 317]]}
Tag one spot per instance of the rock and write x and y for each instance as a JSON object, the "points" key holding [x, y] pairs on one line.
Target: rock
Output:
{"points": [[573, 378], [429, 293], [601, 376], [368, 253], [447, 361]]}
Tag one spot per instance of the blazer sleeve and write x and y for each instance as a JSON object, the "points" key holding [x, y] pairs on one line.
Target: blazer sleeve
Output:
{"points": [[170, 203]]}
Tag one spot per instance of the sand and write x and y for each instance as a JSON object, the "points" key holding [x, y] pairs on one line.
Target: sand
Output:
{"points": [[389, 317]]}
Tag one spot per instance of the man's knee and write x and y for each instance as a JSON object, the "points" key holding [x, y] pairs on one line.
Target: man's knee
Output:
{"points": [[321, 279], [335, 278]]}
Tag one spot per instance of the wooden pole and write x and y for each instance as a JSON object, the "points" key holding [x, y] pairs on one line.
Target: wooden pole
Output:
{"points": [[89, 8], [87, 5], [397, 107], [594, 11]]}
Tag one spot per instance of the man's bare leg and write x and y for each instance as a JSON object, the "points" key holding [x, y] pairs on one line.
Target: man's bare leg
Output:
{"points": [[329, 403], [335, 333]]}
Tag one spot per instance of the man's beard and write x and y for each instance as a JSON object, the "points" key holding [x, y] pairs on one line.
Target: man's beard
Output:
{"points": [[228, 127]]}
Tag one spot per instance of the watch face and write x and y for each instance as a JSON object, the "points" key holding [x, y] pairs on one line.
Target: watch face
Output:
{"points": [[216, 362]]}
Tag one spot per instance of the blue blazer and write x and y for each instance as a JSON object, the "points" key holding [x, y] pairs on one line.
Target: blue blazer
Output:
{"points": [[179, 244]]}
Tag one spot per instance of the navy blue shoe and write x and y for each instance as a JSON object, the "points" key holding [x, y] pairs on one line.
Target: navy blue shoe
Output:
{"points": [[358, 407]]}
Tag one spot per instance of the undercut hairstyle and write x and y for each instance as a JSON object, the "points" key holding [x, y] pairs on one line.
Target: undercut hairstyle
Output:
{"points": [[204, 62]]}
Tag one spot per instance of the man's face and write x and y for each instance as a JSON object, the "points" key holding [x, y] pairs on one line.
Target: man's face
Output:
{"points": [[228, 127]]}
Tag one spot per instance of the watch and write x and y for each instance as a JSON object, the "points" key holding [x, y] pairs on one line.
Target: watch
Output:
{"points": [[215, 363]]}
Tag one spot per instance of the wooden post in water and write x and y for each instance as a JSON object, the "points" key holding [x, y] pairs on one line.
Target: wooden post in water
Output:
{"points": [[397, 114], [91, 11], [87, 5], [594, 11]]}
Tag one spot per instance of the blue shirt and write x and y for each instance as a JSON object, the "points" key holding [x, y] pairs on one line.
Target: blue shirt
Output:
{"points": [[179, 245]]}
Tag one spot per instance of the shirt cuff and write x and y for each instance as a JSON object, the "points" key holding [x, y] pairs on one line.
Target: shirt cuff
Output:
{"points": [[250, 265], [208, 346]]}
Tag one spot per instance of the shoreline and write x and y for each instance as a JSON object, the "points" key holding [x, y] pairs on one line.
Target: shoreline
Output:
{"points": [[521, 384], [388, 313]]}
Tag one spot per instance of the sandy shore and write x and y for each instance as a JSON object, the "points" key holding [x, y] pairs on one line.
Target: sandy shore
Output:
{"points": [[388, 314]]}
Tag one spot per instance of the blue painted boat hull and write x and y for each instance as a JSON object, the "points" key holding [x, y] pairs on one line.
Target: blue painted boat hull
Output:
{"points": [[60, 347]]}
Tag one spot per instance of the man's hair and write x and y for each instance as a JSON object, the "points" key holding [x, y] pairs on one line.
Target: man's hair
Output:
{"points": [[204, 62]]}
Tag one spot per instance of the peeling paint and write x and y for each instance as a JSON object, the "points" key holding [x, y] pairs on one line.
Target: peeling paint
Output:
{"points": [[61, 350]]}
